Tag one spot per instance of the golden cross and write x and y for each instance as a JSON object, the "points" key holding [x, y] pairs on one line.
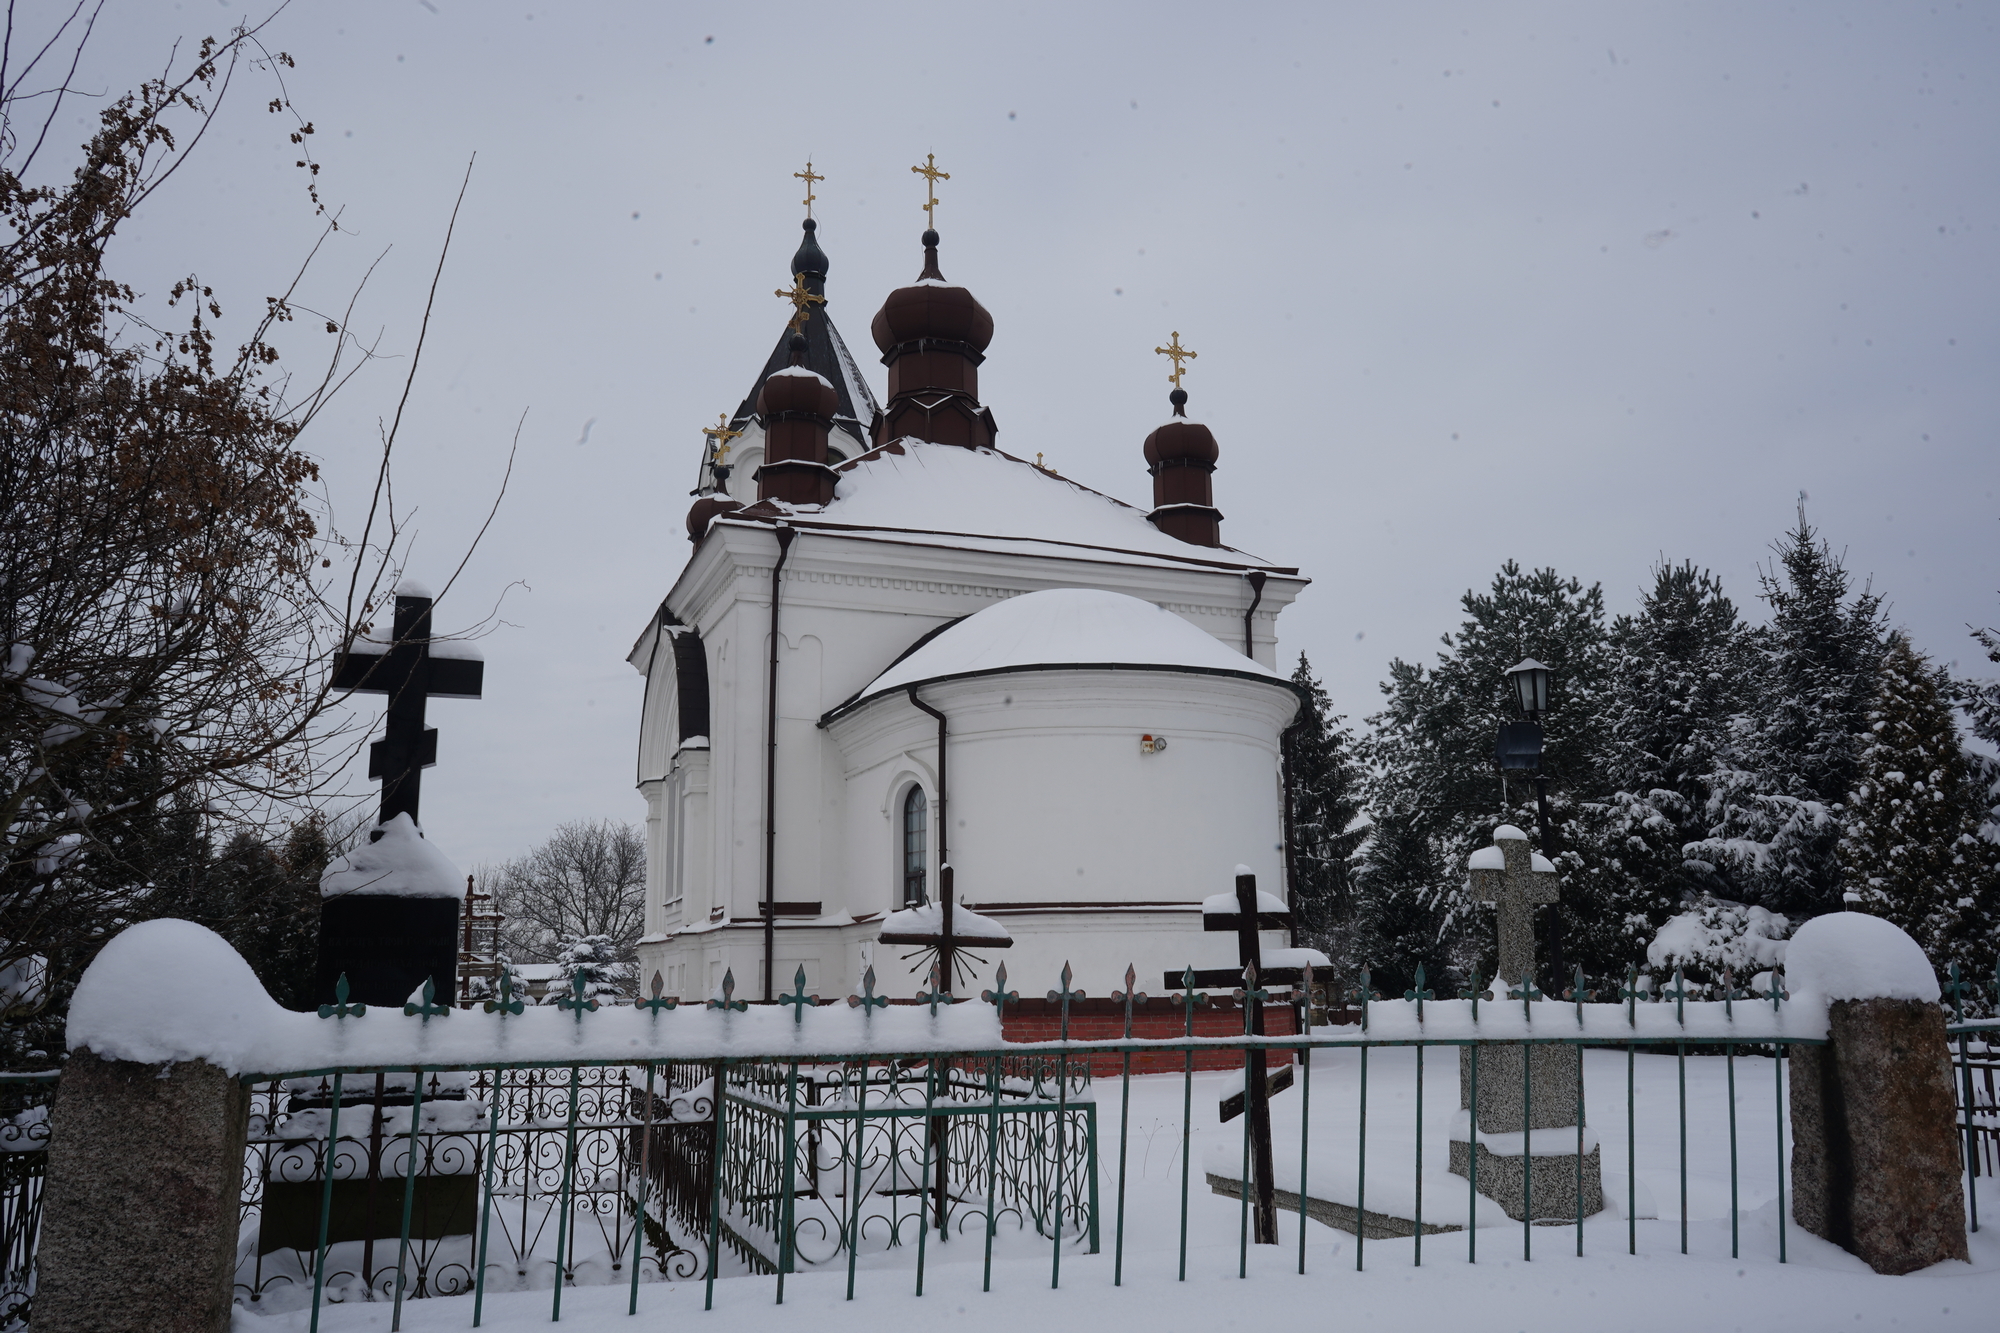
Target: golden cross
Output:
{"points": [[808, 177], [802, 301], [1178, 353], [929, 171], [719, 435]]}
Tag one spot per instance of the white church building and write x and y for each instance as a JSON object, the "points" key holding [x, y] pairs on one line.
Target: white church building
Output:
{"points": [[893, 646]]}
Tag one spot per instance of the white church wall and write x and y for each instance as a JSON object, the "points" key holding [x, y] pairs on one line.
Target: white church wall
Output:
{"points": [[851, 606], [1053, 806]]}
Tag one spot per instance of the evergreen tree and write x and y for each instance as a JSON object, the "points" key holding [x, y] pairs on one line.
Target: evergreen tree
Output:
{"points": [[1910, 847], [1324, 782], [1433, 795], [1681, 679], [1774, 805]]}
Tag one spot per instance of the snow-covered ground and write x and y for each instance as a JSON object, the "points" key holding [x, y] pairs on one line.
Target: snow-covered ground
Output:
{"points": [[1819, 1288]]}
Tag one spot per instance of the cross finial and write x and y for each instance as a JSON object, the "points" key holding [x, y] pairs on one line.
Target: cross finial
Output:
{"points": [[719, 435], [929, 171], [1179, 354], [659, 1001], [340, 1008], [808, 176], [428, 1006], [802, 302], [868, 999], [728, 1000], [579, 998]]}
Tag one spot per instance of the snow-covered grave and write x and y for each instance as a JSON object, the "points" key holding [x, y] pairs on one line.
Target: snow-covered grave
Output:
{"points": [[1694, 1147]]}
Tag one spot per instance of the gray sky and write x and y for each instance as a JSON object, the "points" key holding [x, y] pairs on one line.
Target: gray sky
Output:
{"points": [[1582, 285]]}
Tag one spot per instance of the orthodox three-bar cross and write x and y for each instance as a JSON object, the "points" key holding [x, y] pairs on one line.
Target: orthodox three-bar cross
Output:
{"points": [[1179, 354], [808, 177], [408, 673], [802, 302], [929, 171], [1516, 891]]}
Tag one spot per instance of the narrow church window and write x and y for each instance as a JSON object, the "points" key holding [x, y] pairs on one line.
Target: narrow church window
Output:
{"points": [[916, 848]]}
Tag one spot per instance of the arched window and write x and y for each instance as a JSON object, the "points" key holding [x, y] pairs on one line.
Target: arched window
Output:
{"points": [[916, 847]]}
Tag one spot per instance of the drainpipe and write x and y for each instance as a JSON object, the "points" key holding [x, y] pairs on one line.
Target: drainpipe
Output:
{"points": [[944, 846], [1256, 578], [785, 533]]}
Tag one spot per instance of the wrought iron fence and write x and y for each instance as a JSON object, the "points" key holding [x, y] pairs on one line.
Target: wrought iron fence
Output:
{"points": [[24, 1162]]}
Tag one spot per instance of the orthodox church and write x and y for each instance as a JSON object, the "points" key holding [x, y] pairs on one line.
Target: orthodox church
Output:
{"points": [[900, 663]]}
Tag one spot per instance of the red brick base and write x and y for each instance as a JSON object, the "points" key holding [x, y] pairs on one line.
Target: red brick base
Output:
{"points": [[1104, 1020]]}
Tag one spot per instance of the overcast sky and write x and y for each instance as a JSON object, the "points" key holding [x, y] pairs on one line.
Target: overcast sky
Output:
{"points": [[1578, 285]]}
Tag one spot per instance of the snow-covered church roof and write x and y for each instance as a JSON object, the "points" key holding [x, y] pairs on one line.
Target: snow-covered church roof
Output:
{"points": [[983, 499], [1063, 627]]}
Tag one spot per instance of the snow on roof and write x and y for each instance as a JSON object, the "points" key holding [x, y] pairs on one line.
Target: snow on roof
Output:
{"points": [[802, 372], [1855, 956], [398, 861], [918, 486], [1066, 626]]}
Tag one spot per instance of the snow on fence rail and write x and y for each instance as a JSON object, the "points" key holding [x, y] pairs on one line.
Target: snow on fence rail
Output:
{"points": [[865, 1122]]}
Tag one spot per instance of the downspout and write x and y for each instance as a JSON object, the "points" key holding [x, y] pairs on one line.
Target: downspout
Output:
{"points": [[785, 533], [1256, 578], [944, 846]]}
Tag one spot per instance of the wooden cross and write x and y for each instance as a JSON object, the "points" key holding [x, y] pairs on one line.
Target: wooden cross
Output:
{"points": [[1515, 889], [408, 673], [1179, 354], [808, 177], [929, 171], [802, 303]]}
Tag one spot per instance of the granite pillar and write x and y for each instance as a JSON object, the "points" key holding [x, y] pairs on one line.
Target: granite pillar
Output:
{"points": [[140, 1217], [1876, 1156]]}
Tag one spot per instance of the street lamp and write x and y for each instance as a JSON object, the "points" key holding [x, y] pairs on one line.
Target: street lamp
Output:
{"points": [[1531, 687]]}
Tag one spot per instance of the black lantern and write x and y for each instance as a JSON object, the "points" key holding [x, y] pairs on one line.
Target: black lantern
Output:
{"points": [[1531, 687]]}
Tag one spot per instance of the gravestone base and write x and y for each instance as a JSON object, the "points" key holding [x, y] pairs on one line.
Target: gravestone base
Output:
{"points": [[1553, 1179], [1875, 1140]]}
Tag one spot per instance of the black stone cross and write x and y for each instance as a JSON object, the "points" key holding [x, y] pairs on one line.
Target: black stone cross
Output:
{"points": [[409, 675]]}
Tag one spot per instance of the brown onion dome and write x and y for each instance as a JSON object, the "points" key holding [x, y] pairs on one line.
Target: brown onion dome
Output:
{"points": [[933, 337], [1181, 456], [705, 511], [796, 389]]}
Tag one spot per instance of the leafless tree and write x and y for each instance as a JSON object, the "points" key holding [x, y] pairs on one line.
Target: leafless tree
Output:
{"points": [[172, 594], [589, 878]]}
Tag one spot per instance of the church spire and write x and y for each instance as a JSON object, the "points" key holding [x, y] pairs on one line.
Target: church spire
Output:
{"points": [[933, 337], [1181, 456], [826, 355]]}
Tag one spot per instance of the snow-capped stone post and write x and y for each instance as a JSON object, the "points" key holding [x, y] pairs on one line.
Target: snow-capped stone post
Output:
{"points": [[141, 1207], [389, 928], [1514, 1101], [1875, 1149]]}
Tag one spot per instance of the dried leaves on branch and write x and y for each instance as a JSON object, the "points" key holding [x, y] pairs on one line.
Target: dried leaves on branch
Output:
{"points": [[165, 636]]}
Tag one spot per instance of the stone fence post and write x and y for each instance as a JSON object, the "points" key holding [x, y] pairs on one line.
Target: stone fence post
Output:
{"points": [[143, 1196], [1876, 1165]]}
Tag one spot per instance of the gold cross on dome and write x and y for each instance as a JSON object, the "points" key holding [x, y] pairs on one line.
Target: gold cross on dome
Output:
{"points": [[929, 171], [1179, 354], [719, 435], [808, 177], [802, 301]]}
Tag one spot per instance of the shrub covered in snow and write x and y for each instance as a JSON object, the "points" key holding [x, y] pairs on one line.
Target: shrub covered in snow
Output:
{"points": [[1715, 936]]}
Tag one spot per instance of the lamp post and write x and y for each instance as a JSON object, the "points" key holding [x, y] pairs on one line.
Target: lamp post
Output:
{"points": [[1519, 747]]}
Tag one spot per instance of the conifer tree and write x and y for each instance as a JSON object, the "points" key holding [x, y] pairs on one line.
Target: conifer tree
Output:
{"points": [[1910, 847], [1324, 782], [1433, 794], [1774, 809]]}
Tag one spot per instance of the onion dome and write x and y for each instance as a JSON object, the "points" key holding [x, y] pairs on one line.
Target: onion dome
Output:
{"points": [[705, 510], [933, 337], [1181, 457], [797, 406]]}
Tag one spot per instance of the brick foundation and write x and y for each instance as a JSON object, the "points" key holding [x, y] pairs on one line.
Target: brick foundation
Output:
{"points": [[1104, 1020]]}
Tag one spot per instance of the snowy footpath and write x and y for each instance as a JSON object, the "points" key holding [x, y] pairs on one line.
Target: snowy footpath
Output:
{"points": [[1820, 1288]]}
